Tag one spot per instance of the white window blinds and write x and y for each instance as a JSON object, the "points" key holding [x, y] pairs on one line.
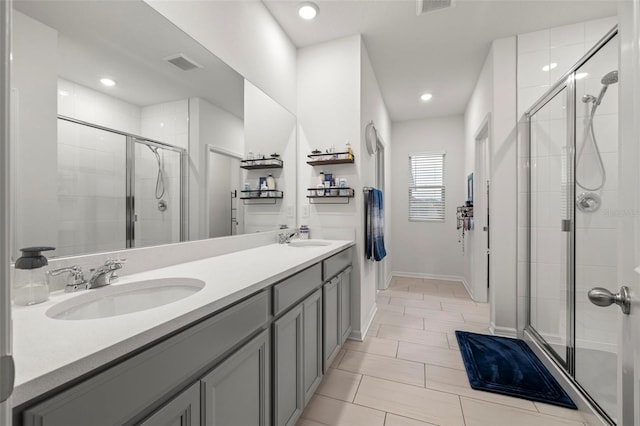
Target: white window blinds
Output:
{"points": [[426, 187]]}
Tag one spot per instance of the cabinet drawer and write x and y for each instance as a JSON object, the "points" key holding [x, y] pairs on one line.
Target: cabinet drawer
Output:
{"points": [[126, 392], [336, 263], [291, 290]]}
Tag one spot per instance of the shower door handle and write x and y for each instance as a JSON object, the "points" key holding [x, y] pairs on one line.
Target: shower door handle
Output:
{"points": [[602, 297]]}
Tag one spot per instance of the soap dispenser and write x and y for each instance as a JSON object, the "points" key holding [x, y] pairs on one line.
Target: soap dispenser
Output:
{"points": [[30, 284]]}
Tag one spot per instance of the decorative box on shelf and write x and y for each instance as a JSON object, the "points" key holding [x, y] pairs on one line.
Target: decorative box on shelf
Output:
{"points": [[330, 158], [261, 163]]}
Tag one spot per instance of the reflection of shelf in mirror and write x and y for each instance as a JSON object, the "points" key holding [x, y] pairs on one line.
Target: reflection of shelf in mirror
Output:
{"points": [[331, 195], [264, 163], [327, 159], [269, 196]]}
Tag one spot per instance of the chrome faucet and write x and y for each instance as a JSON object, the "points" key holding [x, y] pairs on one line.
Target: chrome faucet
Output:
{"points": [[106, 274], [284, 238], [75, 281]]}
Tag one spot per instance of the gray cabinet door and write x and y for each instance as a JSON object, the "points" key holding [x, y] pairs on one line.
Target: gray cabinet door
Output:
{"points": [[312, 337], [345, 304], [237, 391], [288, 395], [183, 410], [331, 311]]}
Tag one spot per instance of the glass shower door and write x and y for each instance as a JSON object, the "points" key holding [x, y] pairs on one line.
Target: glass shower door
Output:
{"points": [[157, 189], [596, 224], [550, 225]]}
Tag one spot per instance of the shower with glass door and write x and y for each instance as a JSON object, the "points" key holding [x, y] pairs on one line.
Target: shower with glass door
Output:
{"points": [[117, 190], [572, 232]]}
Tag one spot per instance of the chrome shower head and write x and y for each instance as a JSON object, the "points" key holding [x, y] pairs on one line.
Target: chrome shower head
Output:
{"points": [[610, 78]]}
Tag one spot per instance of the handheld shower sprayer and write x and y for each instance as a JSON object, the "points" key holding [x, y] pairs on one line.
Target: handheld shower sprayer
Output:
{"points": [[162, 205], [607, 80]]}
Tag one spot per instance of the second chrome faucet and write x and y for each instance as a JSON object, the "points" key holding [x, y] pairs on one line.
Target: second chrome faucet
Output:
{"points": [[102, 276]]}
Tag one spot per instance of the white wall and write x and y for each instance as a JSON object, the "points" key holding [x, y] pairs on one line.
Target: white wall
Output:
{"points": [[477, 111], [329, 113], [495, 96], [372, 108], [269, 128], [244, 35], [167, 122], [33, 92], [208, 125], [85, 104], [337, 95], [428, 249]]}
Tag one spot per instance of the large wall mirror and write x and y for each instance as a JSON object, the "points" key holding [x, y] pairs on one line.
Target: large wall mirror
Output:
{"points": [[128, 133]]}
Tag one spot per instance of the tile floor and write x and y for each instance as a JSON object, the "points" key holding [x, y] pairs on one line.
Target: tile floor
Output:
{"points": [[408, 371]]}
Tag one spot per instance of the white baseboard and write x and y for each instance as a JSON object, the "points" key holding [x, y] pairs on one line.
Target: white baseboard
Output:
{"points": [[503, 331], [388, 282], [360, 334], [468, 287], [428, 276]]}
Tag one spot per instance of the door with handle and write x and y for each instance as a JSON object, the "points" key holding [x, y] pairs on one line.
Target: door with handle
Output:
{"points": [[6, 361], [596, 232]]}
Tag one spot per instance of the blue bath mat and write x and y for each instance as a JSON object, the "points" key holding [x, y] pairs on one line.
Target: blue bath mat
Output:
{"points": [[509, 367]]}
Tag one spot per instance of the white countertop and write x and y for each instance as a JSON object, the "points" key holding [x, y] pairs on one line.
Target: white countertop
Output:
{"points": [[50, 352]]}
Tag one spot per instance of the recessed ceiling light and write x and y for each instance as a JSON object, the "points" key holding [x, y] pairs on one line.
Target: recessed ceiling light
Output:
{"points": [[426, 97], [581, 75], [549, 67], [107, 82], [308, 10]]}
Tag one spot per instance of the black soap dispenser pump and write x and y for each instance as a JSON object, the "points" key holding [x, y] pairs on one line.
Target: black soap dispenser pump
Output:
{"points": [[29, 284]]}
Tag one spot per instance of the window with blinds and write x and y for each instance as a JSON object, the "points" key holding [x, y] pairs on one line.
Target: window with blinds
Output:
{"points": [[426, 187]]}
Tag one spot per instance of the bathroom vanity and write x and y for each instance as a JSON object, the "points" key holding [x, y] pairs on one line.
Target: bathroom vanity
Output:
{"points": [[249, 348]]}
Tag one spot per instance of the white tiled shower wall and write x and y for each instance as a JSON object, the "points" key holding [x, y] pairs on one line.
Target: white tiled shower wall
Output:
{"points": [[91, 170], [595, 233]]}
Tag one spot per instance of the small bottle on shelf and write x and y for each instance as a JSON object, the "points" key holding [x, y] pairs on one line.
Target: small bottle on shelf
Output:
{"points": [[349, 151]]}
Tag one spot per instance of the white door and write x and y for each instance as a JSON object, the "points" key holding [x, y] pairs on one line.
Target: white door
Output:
{"points": [[481, 214], [629, 213], [6, 362]]}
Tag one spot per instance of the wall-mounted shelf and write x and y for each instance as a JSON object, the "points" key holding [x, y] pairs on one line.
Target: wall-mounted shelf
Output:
{"points": [[333, 158], [263, 163], [331, 195], [269, 196]]}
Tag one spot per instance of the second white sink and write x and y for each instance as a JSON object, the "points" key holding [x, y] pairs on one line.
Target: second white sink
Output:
{"points": [[309, 243], [123, 299]]}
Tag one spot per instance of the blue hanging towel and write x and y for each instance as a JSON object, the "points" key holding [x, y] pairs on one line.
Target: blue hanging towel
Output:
{"points": [[374, 226]]}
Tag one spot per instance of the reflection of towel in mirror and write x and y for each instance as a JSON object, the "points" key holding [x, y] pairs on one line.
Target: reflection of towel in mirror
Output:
{"points": [[374, 226]]}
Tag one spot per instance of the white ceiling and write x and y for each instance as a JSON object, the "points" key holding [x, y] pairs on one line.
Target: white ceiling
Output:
{"points": [[440, 52], [129, 43]]}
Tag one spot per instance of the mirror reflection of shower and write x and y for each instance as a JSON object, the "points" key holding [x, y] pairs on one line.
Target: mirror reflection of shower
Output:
{"points": [[162, 204], [588, 201]]}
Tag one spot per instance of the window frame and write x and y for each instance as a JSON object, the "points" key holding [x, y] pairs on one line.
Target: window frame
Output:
{"points": [[430, 172]]}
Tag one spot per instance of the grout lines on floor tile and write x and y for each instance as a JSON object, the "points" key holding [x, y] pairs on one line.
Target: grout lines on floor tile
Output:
{"points": [[410, 354]]}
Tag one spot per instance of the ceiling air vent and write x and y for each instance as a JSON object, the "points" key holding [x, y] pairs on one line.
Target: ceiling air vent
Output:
{"points": [[182, 62], [424, 6]]}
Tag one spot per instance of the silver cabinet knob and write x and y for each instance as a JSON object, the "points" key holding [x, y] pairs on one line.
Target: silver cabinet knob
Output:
{"points": [[602, 297]]}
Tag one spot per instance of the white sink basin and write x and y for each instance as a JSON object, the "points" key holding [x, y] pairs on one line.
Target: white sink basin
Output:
{"points": [[123, 299], [308, 243]]}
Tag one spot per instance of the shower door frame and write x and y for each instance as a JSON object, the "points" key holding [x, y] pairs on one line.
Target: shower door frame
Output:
{"points": [[567, 81], [131, 140]]}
